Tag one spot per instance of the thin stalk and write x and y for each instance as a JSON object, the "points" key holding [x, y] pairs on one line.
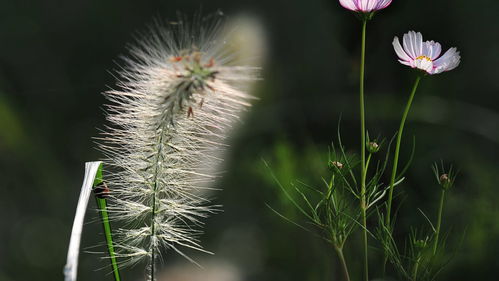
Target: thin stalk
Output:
{"points": [[397, 150], [154, 209], [415, 270], [367, 164], [364, 207], [153, 235], [383, 268], [439, 221], [365, 242], [339, 251], [330, 188], [102, 205], [395, 162], [363, 149]]}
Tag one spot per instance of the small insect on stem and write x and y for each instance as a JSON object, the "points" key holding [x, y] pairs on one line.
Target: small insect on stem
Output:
{"points": [[176, 58], [102, 191], [210, 87], [190, 112], [210, 63]]}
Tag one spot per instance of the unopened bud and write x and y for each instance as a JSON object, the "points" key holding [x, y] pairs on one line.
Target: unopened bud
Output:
{"points": [[445, 181], [372, 147], [420, 243], [336, 164], [444, 178]]}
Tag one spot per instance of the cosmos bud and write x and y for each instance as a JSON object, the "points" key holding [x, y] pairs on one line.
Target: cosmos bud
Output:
{"points": [[445, 181], [336, 164], [445, 177], [421, 244], [372, 147]]}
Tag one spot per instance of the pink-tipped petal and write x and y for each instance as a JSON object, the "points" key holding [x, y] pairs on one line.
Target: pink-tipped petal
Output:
{"points": [[408, 63], [367, 5], [425, 55], [383, 4], [398, 49], [349, 4]]}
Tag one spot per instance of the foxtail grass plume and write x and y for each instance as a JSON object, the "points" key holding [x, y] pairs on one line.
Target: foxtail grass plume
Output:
{"points": [[425, 55], [178, 94], [365, 6]]}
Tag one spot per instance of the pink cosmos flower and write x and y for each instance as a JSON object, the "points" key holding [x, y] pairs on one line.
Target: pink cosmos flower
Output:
{"points": [[365, 6], [425, 55]]}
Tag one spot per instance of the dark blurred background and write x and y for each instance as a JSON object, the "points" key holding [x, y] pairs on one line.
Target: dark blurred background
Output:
{"points": [[56, 58]]}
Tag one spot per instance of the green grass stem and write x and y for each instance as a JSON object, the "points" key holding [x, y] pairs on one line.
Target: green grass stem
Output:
{"points": [[102, 205]]}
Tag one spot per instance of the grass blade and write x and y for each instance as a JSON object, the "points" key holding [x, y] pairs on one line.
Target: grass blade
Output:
{"points": [[71, 267], [102, 205]]}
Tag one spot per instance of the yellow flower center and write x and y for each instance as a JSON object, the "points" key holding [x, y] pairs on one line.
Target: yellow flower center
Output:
{"points": [[424, 58]]}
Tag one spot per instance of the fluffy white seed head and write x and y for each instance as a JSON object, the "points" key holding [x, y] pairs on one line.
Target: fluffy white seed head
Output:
{"points": [[177, 95]]}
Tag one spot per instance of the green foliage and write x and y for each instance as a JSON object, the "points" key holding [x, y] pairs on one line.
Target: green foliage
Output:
{"points": [[101, 191]]}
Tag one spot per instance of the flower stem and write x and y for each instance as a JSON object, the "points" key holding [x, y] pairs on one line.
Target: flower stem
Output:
{"points": [[397, 150], [415, 270], [363, 204], [395, 162], [439, 221], [339, 251], [102, 205]]}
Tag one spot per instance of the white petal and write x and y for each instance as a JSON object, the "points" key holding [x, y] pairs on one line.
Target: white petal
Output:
{"points": [[455, 62], [448, 61], [349, 4], [363, 4], [409, 42], [398, 49], [426, 50], [418, 44], [436, 49]]}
